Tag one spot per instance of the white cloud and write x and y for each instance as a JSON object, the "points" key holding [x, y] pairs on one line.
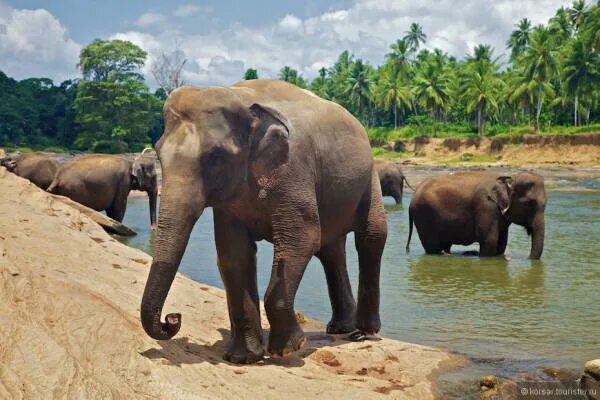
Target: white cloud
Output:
{"points": [[186, 10], [35, 43], [149, 19], [366, 29]]}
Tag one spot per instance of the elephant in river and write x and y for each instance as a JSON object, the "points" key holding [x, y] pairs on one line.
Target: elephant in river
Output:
{"points": [[39, 168], [391, 179], [273, 161], [103, 182], [470, 207]]}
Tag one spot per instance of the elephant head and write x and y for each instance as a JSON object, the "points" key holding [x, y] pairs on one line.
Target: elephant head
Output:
{"points": [[9, 162], [143, 177], [214, 146], [522, 200]]}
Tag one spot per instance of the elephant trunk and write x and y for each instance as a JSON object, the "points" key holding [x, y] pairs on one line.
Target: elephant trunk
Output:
{"points": [[538, 228], [178, 214], [152, 199]]}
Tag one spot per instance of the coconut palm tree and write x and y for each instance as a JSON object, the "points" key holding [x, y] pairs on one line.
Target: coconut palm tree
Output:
{"points": [[519, 38], [393, 93], [581, 73], [358, 87], [414, 36], [432, 87], [481, 85], [578, 12], [399, 57], [540, 63]]}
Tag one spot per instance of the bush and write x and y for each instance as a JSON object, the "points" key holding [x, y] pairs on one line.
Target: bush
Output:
{"points": [[109, 146]]}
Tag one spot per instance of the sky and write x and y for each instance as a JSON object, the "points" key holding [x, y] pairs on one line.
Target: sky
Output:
{"points": [[222, 38]]}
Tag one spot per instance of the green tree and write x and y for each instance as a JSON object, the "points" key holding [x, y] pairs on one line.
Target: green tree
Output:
{"points": [[291, 75], [358, 87], [581, 74], [481, 85], [251, 73], [541, 65], [519, 38], [115, 110], [431, 87], [114, 60], [578, 13], [398, 57], [392, 93], [414, 36]]}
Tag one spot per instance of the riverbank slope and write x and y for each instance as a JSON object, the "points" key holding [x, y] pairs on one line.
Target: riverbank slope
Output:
{"points": [[69, 326]]}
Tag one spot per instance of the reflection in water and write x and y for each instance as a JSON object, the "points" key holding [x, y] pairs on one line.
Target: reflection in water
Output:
{"points": [[512, 316], [456, 279]]}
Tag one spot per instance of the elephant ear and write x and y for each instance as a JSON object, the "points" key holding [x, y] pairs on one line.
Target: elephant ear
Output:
{"points": [[269, 140], [501, 193]]}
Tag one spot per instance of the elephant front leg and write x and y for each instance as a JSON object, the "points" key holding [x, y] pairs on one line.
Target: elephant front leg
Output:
{"points": [[294, 245], [236, 252], [343, 306]]}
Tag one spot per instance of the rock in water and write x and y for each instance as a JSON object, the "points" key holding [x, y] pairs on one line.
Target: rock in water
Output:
{"points": [[593, 368]]}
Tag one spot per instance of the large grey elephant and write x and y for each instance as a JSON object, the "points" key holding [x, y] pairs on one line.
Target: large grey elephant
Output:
{"points": [[102, 182], [39, 168], [391, 179], [272, 161], [470, 207]]}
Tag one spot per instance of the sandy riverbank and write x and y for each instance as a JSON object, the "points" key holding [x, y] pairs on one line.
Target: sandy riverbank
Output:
{"points": [[69, 328], [529, 151]]}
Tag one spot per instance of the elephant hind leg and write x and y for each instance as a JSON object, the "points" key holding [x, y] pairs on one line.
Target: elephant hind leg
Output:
{"points": [[370, 237], [343, 306]]}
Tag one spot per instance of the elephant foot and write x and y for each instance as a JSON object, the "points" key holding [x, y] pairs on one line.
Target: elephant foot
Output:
{"points": [[368, 322], [281, 347], [336, 326], [240, 352], [360, 336]]}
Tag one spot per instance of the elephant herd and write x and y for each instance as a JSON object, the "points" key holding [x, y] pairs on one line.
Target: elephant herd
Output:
{"points": [[100, 182], [277, 163]]}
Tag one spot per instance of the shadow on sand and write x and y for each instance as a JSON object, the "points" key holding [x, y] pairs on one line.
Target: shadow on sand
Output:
{"points": [[183, 351]]}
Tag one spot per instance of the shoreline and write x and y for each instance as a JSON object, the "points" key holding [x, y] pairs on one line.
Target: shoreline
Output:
{"points": [[71, 297]]}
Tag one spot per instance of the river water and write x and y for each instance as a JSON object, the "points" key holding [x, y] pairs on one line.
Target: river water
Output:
{"points": [[507, 317]]}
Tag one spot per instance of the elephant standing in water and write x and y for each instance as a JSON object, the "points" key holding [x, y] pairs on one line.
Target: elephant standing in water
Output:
{"points": [[39, 168], [470, 207], [103, 182], [276, 163], [391, 179]]}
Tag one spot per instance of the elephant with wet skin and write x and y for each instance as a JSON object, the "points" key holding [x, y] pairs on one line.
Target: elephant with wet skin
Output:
{"points": [[271, 160], [39, 168], [391, 179], [102, 182], [470, 207]]}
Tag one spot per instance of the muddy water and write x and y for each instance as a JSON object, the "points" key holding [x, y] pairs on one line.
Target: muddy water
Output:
{"points": [[508, 317]]}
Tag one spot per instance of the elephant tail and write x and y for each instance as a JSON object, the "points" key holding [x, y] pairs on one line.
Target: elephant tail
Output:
{"points": [[408, 184], [410, 229]]}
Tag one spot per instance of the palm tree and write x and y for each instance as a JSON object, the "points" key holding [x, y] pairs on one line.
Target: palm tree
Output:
{"points": [[540, 63], [432, 87], [581, 73], [519, 38], [392, 93], [398, 56], [359, 86], [414, 36], [591, 27], [561, 25], [481, 52], [481, 85], [578, 12]]}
